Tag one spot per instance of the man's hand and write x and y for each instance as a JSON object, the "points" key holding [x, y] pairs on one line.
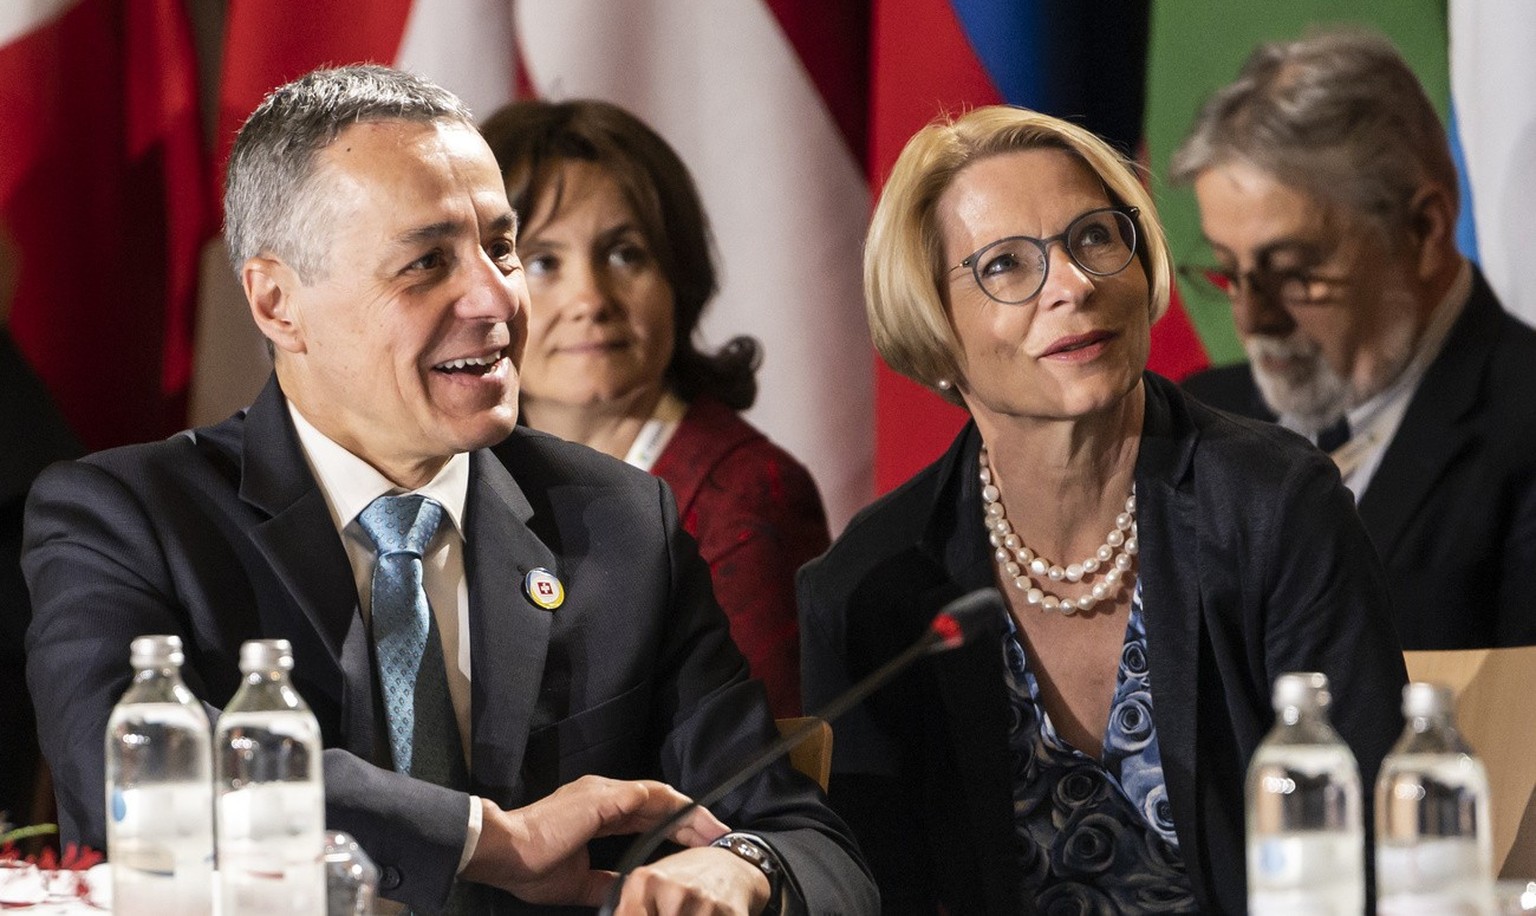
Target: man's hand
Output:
{"points": [[538, 853], [704, 881]]}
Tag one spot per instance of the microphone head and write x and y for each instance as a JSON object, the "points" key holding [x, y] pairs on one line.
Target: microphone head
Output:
{"points": [[966, 617]]}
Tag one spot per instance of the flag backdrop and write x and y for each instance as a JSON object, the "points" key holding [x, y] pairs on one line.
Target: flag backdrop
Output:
{"points": [[1493, 95], [101, 186], [790, 113]]}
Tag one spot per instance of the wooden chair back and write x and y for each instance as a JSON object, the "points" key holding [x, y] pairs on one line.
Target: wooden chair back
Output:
{"points": [[813, 755], [1496, 714]]}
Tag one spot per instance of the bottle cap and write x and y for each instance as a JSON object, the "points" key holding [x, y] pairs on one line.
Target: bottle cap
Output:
{"points": [[1306, 689], [155, 652], [1427, 701], [266, 655]]}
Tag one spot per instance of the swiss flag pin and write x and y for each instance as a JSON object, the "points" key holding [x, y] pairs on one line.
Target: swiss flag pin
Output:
{"points": [[543, 588]]}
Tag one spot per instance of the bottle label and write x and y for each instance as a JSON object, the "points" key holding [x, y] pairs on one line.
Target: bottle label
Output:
{"points": [[1306, 872], [272, 848]]}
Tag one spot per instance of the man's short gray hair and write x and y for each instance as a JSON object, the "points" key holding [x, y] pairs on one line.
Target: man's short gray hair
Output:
{"points": [[1338, 114], [269, 206]]}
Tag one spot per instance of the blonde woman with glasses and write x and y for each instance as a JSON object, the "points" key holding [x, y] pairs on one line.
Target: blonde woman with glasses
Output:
{"points": [[1161, 563]]}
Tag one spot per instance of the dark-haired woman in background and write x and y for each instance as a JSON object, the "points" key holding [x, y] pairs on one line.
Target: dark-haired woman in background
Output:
{"points": [[617, 251]]}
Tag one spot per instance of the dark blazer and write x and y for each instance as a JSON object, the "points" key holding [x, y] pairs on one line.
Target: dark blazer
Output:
{"points": [[222, 535], [35, 436], [757, 517], [1252, 564], [1452, 507]]}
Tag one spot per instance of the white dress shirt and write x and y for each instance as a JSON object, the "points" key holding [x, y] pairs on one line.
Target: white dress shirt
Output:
{"points": [[349, 484]]}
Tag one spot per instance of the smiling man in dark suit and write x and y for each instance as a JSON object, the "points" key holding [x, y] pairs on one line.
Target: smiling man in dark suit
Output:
{"points": [[571, 665], [1329, 197]]}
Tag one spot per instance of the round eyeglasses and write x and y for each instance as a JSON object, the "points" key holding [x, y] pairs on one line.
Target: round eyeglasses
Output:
{"points": [[1285, 288], [1012, 270]]}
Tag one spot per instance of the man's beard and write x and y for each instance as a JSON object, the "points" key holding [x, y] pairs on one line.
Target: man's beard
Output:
{"points": [[1307, 389]]}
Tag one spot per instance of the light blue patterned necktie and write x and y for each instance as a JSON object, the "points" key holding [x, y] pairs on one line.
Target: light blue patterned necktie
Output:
{"points": [[423, 732]]}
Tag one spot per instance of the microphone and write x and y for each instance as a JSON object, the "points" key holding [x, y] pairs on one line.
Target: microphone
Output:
{"points": [[956, 623]]}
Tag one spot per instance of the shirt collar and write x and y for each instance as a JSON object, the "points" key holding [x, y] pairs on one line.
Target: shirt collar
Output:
{"points": [[349, 483]]}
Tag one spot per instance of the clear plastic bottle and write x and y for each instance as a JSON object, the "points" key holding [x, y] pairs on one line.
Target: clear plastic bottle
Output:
{"points": [[271, 796], [159, 794], [1434, 848], [1306, 842]]}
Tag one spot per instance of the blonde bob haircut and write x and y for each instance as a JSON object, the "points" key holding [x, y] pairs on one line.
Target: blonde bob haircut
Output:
{"points": [[904, 269]]}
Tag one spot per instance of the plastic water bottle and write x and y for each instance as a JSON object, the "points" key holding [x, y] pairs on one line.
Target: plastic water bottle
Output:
{"points": [[159, 789], [1306, 843], [1434, 849], [271, 795]]}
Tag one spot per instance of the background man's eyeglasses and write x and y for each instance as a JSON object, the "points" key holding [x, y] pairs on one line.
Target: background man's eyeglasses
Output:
{"points": [[1287, 288]]}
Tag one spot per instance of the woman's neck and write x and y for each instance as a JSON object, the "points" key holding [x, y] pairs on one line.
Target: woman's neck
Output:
{"points": [[610, 428], [1064, 481]]}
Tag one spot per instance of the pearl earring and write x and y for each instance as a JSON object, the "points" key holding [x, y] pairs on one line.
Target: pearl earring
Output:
{"points": [[943, 384]]}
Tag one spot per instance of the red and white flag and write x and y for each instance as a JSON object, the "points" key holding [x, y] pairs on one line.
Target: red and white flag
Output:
{"points": [[102, 186]]}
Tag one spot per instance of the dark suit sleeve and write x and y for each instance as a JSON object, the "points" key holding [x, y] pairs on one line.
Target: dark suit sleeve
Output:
{"points": [[100, 574], [717, 718], [97, 580]]}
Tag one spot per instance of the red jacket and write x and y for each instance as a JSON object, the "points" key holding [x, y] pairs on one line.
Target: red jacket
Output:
{"points": [[757, 517]]}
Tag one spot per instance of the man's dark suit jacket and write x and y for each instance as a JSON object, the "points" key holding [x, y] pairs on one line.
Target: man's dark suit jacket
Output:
{"points": [[35, 436], [1452, 507], [1252, 564], [222, 535]]}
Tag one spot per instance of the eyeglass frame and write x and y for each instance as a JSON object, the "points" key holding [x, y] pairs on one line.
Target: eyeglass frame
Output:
{"points": [[1264, 282], [971, 261]]}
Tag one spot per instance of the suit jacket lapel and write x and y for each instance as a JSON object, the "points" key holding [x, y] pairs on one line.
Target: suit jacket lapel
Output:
{"points": [[1169, 575], [299, 541], [509, 635], [1430, 435]]}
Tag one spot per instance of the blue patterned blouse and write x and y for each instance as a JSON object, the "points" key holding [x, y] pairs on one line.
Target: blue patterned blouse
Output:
{"points": [[1094, 838]]}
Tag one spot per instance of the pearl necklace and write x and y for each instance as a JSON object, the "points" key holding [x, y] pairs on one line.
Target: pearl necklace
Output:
{"points": [[1023, 566]]}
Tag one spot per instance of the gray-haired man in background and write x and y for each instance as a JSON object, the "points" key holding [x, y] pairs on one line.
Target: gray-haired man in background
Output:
{"points": [[1329, 197]]}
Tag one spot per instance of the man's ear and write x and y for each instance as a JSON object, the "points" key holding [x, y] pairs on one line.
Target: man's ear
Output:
{"points": [[1432, 223], [269, 287]]}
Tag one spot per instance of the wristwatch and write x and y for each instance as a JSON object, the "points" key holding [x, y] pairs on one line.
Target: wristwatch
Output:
{"points": [[760, 856]]}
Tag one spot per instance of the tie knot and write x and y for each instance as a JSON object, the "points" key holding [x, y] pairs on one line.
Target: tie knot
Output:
{"points": [[401, 524], [1334, 436]]}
